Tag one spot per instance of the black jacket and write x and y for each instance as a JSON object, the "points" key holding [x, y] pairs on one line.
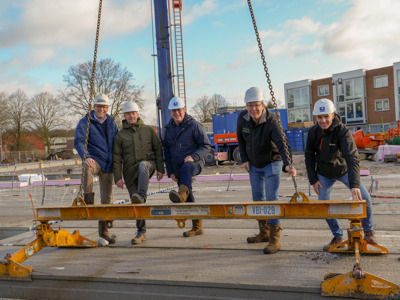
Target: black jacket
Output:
{"points": [[261, 143], [332, 153]]}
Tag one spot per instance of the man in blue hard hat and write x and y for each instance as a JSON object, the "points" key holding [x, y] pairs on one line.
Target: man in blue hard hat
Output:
{"points": [[185, 146]]}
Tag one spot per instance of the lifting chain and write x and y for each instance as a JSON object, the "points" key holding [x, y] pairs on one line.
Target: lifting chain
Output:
{"points": [[80, 194], [284, 139]]}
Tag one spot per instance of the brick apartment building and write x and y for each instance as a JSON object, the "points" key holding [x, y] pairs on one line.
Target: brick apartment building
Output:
{"points": [[365, 99]]}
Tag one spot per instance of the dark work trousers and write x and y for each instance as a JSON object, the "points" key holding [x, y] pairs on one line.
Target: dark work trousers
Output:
{"points": [[140, 186], [189, 170]]}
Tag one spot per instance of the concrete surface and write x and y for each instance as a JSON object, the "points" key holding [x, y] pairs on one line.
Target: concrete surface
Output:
{"points": [[217, 265]]}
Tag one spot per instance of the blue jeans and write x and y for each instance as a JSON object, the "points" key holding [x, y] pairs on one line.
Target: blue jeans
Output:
{"points": [[188, 170], [325, 194], [264, 184]]}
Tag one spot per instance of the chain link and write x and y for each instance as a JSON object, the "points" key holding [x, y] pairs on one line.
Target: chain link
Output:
{"points": [[80, 194], [284, 139]]}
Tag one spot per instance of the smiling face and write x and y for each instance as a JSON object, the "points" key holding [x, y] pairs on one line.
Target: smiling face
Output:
{"points": [[100, 111], [255, 110], [131, 117], [178, 115], [325, 121]]}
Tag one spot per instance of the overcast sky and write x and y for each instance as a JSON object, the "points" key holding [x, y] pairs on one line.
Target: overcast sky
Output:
{"points": [[308, 39]]}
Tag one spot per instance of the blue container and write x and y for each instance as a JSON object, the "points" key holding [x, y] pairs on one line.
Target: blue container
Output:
{"points": [[284, 117]]}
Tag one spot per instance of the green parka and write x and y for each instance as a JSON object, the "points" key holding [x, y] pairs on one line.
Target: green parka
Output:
{"points": [[133, 144]]}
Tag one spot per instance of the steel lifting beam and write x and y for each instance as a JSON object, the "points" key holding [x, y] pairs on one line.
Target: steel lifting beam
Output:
{"points": [[354, 284], [332, 209]]}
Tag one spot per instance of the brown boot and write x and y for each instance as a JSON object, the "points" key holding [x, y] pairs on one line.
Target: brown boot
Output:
{"points": [[274, 239], [369, 237], [180, 196], [197, 228], [263, 236], [88, 198], [103, 233], [334, 242]]}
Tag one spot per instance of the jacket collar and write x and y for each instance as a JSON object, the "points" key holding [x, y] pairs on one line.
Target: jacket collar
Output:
{"points": [[263, 117]]}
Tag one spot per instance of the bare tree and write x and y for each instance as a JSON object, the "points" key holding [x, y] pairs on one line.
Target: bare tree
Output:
{"points": [[4, 114], [48, 115], [17, 109], [216, 101], [110, 78], [205, 107], [202, 109]]}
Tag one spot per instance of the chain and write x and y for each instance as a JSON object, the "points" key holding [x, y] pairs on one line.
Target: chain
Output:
{"points": [[280, 127], [80, 194]]}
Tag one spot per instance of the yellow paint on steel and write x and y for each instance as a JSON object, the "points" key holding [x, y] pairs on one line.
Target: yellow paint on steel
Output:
{"points": [[329, 209], [356, 243], [11, 268], [347, 286]]}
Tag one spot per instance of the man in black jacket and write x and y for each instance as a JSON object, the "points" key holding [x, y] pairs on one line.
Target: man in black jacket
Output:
{"points": [[262, 150], [331, 155]]}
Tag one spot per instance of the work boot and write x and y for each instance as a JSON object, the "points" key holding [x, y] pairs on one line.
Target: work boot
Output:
{"points": [[369, 237], [103, 232], [274, 239], [263, 236], [333, 242], [140, 237], [197, 228], [137, 199], [88, 198], [180, 196]]}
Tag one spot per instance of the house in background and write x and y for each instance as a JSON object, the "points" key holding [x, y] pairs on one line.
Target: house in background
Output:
{"points": [[365, 99]]}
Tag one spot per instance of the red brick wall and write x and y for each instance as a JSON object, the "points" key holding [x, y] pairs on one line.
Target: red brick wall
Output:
{"points": [[380, 93]]}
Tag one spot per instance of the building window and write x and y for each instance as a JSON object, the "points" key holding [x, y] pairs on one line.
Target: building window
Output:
{"points": [[351, 112], [323, 90], [381, 104], [353, 89], [299, 115], [381, 81], [298, 105]]}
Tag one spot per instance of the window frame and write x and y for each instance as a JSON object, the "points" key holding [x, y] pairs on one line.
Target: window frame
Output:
{"points": [[325, 87], [382, 101], [383, 84]]}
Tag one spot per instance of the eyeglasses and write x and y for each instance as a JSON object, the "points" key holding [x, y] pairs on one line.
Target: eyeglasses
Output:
{"points": [[254, 105]]}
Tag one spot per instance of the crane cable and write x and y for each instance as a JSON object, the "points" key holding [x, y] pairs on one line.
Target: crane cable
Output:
{"points": [[80, 193], [284, 138]]}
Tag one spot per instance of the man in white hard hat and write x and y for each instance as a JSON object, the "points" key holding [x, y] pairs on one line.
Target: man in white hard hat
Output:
{"points": [[102, 131], [137, 154], [331, 155], [185, 146], [262, 152]]}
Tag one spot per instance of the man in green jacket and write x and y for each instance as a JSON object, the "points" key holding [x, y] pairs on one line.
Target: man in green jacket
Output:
{"points": [[137, 154]]}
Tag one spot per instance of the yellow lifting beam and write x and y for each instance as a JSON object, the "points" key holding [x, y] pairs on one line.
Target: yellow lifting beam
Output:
{"points": [[334, 284]]}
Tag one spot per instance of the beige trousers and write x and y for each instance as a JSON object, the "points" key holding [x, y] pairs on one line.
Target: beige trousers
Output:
{"points": [[106, 182]]}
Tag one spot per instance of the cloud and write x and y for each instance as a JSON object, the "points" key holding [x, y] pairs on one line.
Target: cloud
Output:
{"points": [[294, 39], [365, 33], [71, 23], [197, 11]]}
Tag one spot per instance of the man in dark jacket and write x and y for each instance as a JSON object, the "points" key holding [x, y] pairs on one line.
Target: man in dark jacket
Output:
{"points": [[102, 131], [185, 146], [137, 154], [331, 155], [262, 150]]}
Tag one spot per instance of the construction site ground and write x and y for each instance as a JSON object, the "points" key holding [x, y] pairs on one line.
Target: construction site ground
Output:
{"points": [[219, 264]]}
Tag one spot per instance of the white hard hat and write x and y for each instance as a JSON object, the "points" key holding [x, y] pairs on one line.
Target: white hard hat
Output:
{"points": [[254, 94], [176, 103], [323, 107], [130, 106], [102, 99]]}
